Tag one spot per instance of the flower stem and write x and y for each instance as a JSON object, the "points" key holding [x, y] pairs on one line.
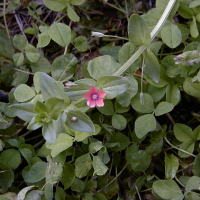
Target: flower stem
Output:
{"points": [[178, 148], [114, 178], [153, 34]]}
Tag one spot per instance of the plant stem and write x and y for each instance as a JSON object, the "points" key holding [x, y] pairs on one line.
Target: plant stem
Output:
{"points": [[116, 7], [4, 16], [153, 34], [179, 182], [178, 148], [114, 178], [17, 69]]}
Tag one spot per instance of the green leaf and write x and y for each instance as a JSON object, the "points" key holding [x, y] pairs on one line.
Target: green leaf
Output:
{"points": [[126, 51], [60, 194], [62, 142], [48, 191], [156, 93], [167, 189], [78, 185], [11, 158], [99, 196], [19, 42], [171, 166], [140, 160], [194, 4], [23, 111], [6, 178], [195, 168], [80, 43], [146, 107], [68, 175], [72, 14], [96, 146], [18, 59], [191, 88], [130, 151], [124, 99], [187, 146], [107, 109], [102, 66], [83, 122], [193, 28], [55, 106], [193, 184], [63, 67], [104, 156], [23, 93], [53, 171], [171, 35], [27, 154], [113, 85], [51, 130], [6, 48], [42, 65], [55, 5], [83, 164], [76, 2], [138, 31], [119, 122], [163, 107], [182, 132], [188, 58], [173, 94], [196, 133], [22, 193], [99, 167], [120, 138], [32, 53], [35, 194], [60, 33], [79, 88], [144, 124], [43, 39], [36, 172], [50, 88], [152, 66]]}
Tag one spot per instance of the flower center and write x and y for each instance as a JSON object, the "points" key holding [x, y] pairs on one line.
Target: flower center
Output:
{"points": [[95, 97]]}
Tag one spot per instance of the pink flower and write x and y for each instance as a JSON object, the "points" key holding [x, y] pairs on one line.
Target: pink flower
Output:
{"points": [[95, 97]]}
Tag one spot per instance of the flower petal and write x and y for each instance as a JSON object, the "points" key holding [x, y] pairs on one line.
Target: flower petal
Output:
{"points": [[88, 96], [100, 103], [101, 94], [93, 90], [91, 103]]}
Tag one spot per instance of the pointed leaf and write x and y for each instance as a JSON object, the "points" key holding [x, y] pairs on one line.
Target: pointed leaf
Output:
{"points": [[99, 167], [60, 33], [138, 31]]}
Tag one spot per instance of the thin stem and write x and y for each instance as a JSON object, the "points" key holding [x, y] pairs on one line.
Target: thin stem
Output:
{"points": [[178, 148], [121, 10], [4, 16], [17, 69], [138, 192], [170, 118], [39, 143], [126, 10], [61, 18], [113, 36], [17, 132], [179, 182], [153, 34], [65, 50], [20, 25], [114, 178], [35, 17]]}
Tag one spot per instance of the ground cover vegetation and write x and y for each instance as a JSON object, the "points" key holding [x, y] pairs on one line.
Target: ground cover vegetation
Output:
{"points": [[99, 99]]}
